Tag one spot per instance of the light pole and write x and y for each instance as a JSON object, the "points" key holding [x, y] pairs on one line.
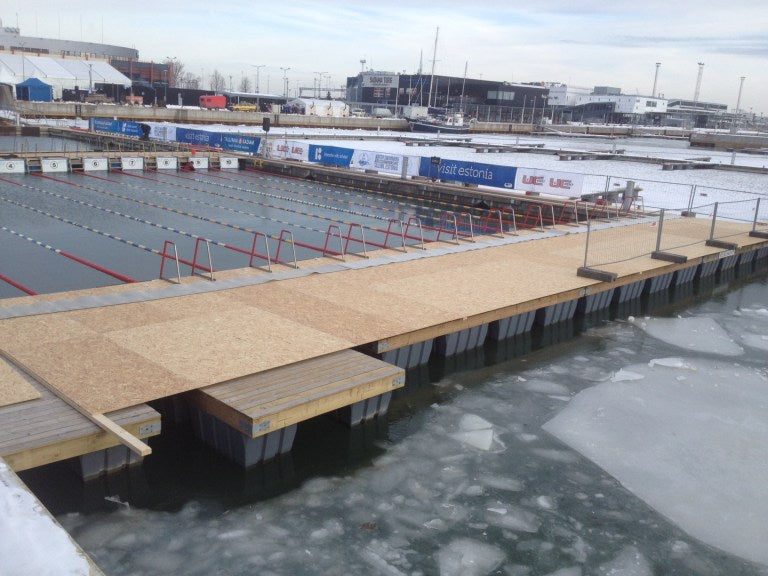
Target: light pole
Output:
{"points": [[319, 84], [23, 73], [655, 77], [257, 66], [738, 99], [285, 80]]}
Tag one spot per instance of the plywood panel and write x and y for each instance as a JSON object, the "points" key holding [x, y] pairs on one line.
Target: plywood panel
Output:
{"points": [[14, 387], [256, 340]]}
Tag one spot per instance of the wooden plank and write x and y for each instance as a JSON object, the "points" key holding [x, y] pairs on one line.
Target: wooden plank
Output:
{"points": [[26, 457], [273, 381], [14, 388], [127, 439], [300, 395]]}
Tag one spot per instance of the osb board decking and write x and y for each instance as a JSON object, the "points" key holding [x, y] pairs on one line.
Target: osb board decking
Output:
{"points": [[14, 387], [123, 355]]}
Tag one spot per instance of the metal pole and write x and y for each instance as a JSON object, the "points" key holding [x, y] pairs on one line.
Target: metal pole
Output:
{"points": [[757, 213], [714, 219], [658, 234], [691, 197], [586, 248]]}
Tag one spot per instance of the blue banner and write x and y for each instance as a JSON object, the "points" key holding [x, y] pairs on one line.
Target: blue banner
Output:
{"points": [[469, 172], [198, 137], [240, 143], [116, 126], [331, 155]]}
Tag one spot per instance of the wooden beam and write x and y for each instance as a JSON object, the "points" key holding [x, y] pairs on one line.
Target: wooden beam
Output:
{"points": [[125, 438]]}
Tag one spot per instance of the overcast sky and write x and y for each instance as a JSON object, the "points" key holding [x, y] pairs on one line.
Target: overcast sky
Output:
{"points": [[583, 43]]}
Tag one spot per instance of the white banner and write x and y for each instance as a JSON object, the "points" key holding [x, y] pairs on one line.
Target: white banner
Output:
{"points": [[95, 164], [167, 163], [200, 163], [549, 182], [380, 80], [54, 165], [130, 163], [12, 166], [289, 149], [378, 161], [164, 133]]}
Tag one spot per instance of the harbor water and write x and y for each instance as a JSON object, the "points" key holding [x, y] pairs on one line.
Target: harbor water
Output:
{"points": [[634, 442]]}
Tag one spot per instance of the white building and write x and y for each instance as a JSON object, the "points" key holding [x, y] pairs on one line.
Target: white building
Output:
{"points": [[575, 96]]}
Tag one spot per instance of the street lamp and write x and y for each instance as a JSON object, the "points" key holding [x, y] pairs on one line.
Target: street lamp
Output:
{"points": [[285, 80], [257, 66], [328, 83], [319, 84]]}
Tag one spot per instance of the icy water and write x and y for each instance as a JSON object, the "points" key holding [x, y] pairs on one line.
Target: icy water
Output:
{"points": [[460, 478], [634, 443]]}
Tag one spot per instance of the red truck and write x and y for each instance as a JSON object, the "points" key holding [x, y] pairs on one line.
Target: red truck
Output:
{"points": [[213, 102]]}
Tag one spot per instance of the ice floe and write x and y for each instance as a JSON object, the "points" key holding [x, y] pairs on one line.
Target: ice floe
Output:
{"points": [[695, 449]]}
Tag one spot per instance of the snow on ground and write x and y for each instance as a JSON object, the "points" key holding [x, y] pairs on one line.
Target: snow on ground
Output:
{"points": [[689, 439], [31, 542]]}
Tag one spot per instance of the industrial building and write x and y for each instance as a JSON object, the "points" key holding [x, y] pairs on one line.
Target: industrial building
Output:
{"points": [[485, 100]]}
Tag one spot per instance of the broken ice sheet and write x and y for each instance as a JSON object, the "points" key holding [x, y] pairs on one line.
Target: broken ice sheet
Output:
{"points": [[700, 334], [694, 449]]}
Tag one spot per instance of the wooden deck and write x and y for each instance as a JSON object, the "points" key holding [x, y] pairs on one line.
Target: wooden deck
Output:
{"points": [[265, 402], [46, 429], [107, 359]]}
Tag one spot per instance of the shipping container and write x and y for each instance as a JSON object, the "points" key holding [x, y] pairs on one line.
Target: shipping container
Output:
{"points": [[218, 101]]}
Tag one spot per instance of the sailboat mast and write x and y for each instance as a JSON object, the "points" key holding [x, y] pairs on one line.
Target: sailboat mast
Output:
{"points": [[432, 74], [463, 83]]}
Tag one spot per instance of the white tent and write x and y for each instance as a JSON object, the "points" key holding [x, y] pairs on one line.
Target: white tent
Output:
{"points": [[61, 73], [317, 107]]}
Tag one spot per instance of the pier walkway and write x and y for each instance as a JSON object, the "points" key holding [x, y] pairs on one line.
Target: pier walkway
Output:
{"points": [[165, 339]]}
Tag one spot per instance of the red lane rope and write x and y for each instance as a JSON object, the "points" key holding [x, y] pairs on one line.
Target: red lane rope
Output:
{"points": [[17, 285], [112, 273]]}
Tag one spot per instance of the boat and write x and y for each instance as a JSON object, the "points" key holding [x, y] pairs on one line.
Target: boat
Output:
{"points": [[452, 124]]}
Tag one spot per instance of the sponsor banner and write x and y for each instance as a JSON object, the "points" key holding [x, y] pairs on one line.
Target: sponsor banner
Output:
{"points": [[164, 133], [469, 172], [380, 80], [116, 126], [331, 155], [378, 161], [198, 137], [549, 182], [289, 149], [240, 143]]}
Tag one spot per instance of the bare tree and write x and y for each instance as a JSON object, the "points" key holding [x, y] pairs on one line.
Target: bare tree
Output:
{"points": [[176, 72], [245, 84], [217, 82], [189, 80]]}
